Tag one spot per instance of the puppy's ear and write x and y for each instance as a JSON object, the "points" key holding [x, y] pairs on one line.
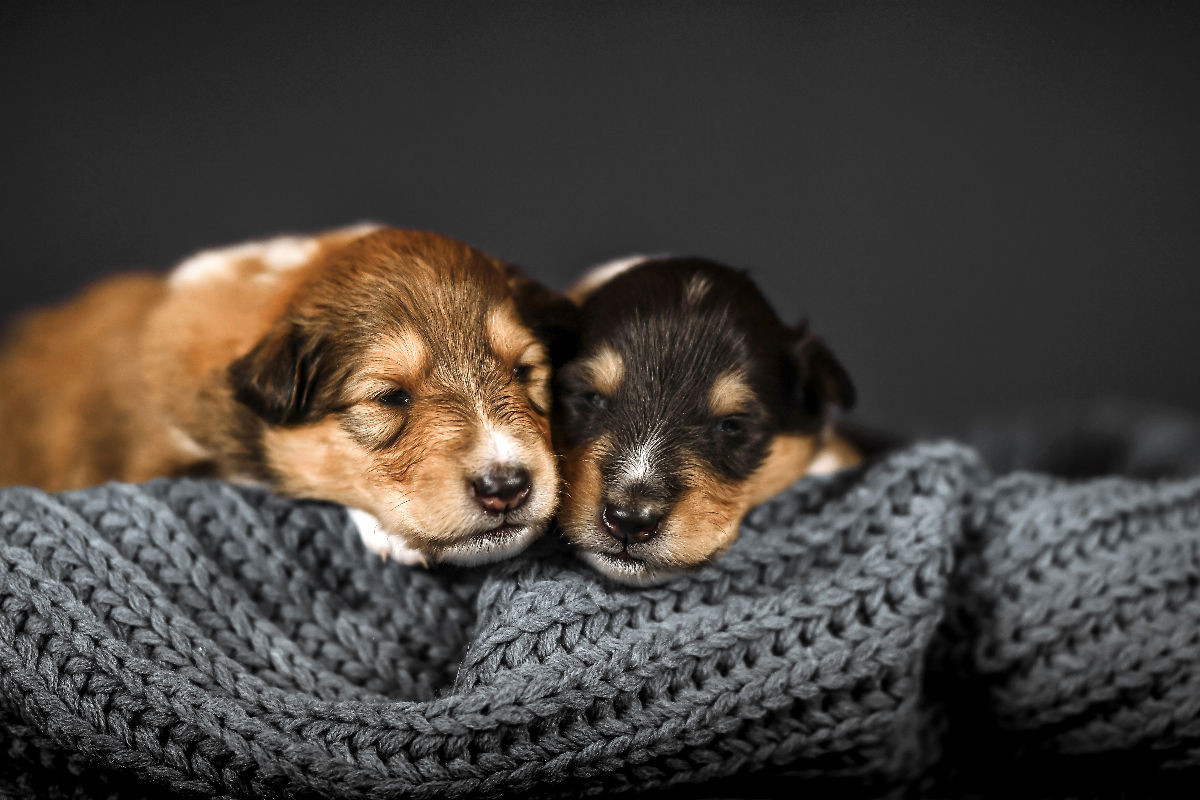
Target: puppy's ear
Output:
{"points": [[281, 378], [553, 318], [814, 379]]}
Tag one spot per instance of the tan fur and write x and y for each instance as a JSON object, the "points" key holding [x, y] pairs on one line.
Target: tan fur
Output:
{"points": [[702, 523], [130, 381], [605, 370], [70, 389], [538, 382], [398, 361], [729, 394], [787, 461], [323, 462], [584, 488], [518, 347], [836, 454], [509, 338]]}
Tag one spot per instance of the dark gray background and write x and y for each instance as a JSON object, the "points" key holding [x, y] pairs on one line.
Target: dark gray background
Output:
{"points": [[978, 207]]}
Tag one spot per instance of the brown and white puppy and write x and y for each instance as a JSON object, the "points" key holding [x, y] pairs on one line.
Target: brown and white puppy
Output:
{"points": [[688, 403], [392, 371]]}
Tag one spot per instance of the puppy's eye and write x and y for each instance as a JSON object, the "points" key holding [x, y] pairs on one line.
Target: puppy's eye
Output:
{"points": [[395, 398], [595, 400], [731, 426], [522, 372]]}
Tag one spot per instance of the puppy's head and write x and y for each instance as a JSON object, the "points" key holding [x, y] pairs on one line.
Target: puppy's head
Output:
{"points": [[688, 403], [405, 380]]}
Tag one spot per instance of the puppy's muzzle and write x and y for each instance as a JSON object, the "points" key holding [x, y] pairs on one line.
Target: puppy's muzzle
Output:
{"points": [[502, 489]]}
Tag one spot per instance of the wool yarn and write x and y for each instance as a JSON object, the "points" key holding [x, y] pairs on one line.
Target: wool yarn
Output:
{"points": [[908, 626]]}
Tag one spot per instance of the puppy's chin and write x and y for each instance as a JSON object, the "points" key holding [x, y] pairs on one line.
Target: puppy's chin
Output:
{"points": [[626, 569], [482, 547], [669, 555], [643, 567], [491, 545]]}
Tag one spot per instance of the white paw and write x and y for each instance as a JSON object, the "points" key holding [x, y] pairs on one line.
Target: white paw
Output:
{"points": [[378, 541]]}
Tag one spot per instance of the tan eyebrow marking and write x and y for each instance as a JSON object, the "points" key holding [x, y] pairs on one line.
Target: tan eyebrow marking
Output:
{"points": [[606, 369], [403, 356], [535, 355], [507, 335], [537, 384], [729, 394]]}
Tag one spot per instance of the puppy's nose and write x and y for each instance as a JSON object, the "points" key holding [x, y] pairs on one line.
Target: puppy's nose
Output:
{"points": [[502, 488], [633, 523]]}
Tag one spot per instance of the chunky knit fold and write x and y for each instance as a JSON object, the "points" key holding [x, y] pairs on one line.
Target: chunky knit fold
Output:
{"points": [[866, 629]]}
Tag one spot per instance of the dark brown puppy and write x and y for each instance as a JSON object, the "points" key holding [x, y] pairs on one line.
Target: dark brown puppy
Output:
{"points": [[689, 402], [392, 371]]}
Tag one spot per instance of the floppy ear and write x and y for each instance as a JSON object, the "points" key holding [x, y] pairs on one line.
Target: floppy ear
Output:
{"points": [[816, 380], [281, 378], [553, 318]]}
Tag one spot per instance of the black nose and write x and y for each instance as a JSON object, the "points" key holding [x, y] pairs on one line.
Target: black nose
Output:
{"points": [[502, 488], [633, 523]]}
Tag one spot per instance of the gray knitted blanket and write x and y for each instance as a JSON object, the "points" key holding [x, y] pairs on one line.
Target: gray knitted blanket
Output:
{"points": [[923, 625]]}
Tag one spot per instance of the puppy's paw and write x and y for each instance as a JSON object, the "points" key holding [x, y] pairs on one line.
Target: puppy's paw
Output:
{"points": [[385, 545]]}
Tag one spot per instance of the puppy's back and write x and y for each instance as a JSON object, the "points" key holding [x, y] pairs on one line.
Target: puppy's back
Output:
{"points": [[69, 383]]}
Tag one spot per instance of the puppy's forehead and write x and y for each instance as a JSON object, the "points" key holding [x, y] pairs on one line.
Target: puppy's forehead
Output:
{"points": [[666, 357], [683, 288], [455, 296], [416, 271], [404, 350], [414, 307], [682, 324]]}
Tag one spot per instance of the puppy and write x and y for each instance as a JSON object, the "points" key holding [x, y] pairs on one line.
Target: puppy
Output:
{"points": [[395, 372], [688, 403]]}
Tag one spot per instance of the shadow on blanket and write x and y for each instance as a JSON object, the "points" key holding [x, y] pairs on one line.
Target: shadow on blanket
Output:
{"points": [[916, 626]]}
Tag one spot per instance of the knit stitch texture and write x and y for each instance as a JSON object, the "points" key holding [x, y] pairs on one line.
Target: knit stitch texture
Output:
{"points": [[919, 625]]}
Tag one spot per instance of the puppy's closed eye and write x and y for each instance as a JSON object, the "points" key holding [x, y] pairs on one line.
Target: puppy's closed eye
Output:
{"points": [[394, 398], [594, 400], [731, 426], [579, 398]]}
